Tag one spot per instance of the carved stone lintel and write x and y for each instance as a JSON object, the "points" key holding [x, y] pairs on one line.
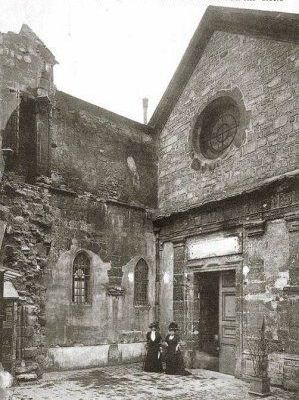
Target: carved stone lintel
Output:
{"points": [[179, 242], [292, 220], [255, 228]]}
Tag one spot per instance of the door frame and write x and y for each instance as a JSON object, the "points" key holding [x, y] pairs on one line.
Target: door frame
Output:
{"points": [[225, 341], [219, 264]]}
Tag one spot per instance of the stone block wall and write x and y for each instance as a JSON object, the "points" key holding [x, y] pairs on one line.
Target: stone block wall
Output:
{"points": [[265, 73], [94, 183], [24, 59], [25, 248], [100, 152], [166, 276], [267, 281], [10, 334], [269, 276], [116, 238], [266, 273], [45, 230]]}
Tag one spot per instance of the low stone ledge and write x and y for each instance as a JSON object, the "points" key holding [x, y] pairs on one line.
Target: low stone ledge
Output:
{"points": [[77, 357], [80, 357], [27, 377]]}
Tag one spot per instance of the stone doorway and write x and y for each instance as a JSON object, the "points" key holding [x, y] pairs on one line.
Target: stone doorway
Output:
{"points": [[215, 298]]}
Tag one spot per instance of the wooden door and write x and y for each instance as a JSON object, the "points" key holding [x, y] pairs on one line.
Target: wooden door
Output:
{"points": [[227, 322]]}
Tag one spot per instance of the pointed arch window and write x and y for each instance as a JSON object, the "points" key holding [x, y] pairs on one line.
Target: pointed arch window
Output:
{"points": [[81, 278], [141, 283]]}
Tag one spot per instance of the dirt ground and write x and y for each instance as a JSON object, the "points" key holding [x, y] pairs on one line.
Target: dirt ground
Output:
{"points": [[130, 382]]}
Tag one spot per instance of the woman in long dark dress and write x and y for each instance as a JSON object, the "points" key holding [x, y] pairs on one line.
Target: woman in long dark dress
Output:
{"points": [[153, 362], [174, 358]]}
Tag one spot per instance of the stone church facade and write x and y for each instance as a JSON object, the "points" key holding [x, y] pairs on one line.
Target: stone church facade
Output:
{"points": [[194, 217]]}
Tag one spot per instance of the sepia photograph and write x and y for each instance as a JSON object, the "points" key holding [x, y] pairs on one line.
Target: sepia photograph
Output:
{"points": [[149, 199]]}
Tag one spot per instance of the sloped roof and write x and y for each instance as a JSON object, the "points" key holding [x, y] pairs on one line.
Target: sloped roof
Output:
{"points": [[79, 104], [266, 24]]}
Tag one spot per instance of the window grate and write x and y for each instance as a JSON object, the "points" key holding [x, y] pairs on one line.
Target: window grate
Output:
{"points": [[81, 276], [141, 283]]}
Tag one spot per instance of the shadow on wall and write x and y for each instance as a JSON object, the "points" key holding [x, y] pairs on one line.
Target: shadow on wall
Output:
{"points": [[19, 140]]}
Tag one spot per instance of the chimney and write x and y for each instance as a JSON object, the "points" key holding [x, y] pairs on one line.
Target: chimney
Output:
{"points": [[145, 105]]}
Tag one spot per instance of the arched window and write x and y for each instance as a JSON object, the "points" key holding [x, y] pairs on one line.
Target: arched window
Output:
{"points": [[81, 276], [140, 283]]}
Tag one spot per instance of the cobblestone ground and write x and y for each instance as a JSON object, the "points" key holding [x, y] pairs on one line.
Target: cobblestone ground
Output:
{"points": [[130, 382]]}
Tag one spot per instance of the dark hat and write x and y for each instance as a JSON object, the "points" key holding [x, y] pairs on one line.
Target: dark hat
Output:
{"points": [[173, 326], [154, 325]]}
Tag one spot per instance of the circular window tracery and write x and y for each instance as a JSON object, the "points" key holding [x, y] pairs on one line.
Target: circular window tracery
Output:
{"points": [[220, 135], [216, 128]]}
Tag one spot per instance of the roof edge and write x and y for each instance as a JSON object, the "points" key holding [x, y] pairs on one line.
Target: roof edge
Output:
{"points": [[268, 24], [263, 185], [109, 114]]}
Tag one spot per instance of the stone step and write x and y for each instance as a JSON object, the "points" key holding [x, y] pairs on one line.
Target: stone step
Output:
{"points": [[27, 377], [26, 369]]}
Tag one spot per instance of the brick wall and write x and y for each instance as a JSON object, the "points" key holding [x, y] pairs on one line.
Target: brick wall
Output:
{"points": [[264, 71]]}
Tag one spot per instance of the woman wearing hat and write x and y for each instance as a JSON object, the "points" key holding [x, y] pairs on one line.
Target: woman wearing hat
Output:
{"points": [[174, 358], [153, 362]]}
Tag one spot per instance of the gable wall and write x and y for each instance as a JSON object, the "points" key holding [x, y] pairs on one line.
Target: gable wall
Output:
{"points": [[264, 71]]}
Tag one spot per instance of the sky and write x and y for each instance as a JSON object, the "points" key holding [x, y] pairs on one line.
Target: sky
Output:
{"points": [[112, 53]]}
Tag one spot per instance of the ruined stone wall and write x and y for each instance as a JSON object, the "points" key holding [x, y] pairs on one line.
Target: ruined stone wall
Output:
{"points": [[97, 151], [23, 59], [264, 73], [45, 230], [26, 72], [25, 247], [94, 180]]}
